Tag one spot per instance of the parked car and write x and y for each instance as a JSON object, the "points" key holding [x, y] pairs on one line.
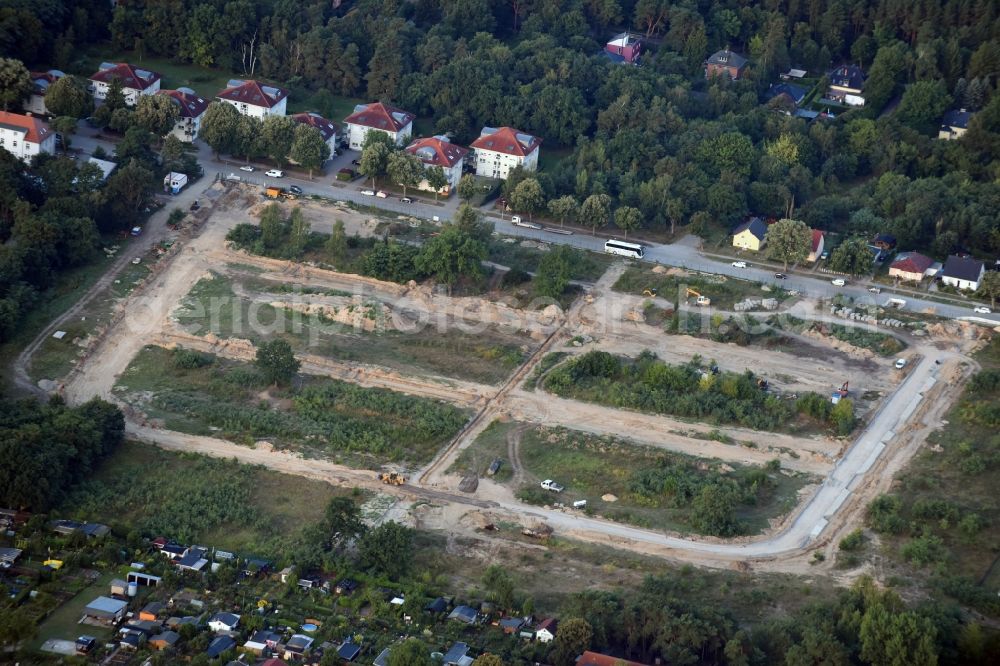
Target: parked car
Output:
{"points": [[739, 264], [982, 309], [295, 189], [549, 484], [275, 173], [406, 200], [136, 231], [825, 255], [368, 193], [355, 162], [900, 363], [780, 276], [247, 168], [838, 282], [381, 194], [875, 290]]}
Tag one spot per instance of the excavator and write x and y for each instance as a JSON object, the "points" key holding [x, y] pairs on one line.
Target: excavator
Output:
{"points": [[701, 300], [392, 478]]}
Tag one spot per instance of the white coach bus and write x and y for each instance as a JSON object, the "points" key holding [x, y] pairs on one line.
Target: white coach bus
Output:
{"points": [[633, 250]]}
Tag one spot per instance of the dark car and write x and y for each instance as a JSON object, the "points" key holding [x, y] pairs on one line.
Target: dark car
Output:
{"points": [[295, 189], [780, 276], [355, 162]]}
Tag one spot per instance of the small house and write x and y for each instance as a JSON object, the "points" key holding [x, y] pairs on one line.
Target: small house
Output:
{"points": [[132, 640], [500, 149], [962, 272], [147, 627], [458, 655], [439, 605], [174, 551], [346, 586], [792, 93], [847, 84], [219, 645], [85, 644], [911, 266], [383, 658], [255, 99], [298, 646], [261, 640], [165, 640], [750, 235], [349, 650], [105, 610], [465, 614], [378, 117], [119, 587], [151, 610], [511, 625], [884, 242], [224, 622], [285, 574], [545, 632], [193, 560], [725, 63], [8, 556], [816, 248], [954, 124], [624, 48]]}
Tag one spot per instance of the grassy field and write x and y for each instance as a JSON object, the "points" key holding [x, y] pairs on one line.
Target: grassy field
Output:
{"points": [[724, 292], [64, 622], [490, 445], [586, 266], [653, 488], [488, 356], [357, 426]]}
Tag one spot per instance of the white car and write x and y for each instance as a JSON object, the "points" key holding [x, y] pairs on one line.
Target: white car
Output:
{"points": [[838, 282], [982, 309], [275, 173], [900, 363], [247, 168], [739, 264], [549, 484], [381, 194], [367, 193]]}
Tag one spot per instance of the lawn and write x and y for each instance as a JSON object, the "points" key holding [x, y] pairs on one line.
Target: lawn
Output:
{"points": [[488, 355], [584, 266], [489, 445], [196, 499], [724, 292], [64, 622], [363, 427], [651, 487]]}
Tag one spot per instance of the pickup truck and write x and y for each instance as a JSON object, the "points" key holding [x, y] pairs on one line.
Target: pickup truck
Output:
{"points": [[549, 484]]}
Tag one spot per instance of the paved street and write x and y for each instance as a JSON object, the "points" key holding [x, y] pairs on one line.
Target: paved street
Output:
{"points": [[680, 254]]}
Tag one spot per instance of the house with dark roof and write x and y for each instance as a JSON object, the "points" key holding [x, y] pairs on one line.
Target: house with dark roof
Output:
{"points": [[589, 658], [439, 151], [151, 610], [725, 63], [190, 108], [884, 242], [378, 117], [219, 645], [193, 560], [791, 93], [165, 640], [464, 614], [439, 605], [954, 124], [511, 625], [9, 555], [349, 650], [383, 657], [262, 639], [40, 82], [625, 48], [174, 551], [962, 272], [458, 655], [297, 646], [326, 128], [911, 266], [135, 81], [224, 622], [24, 137], [255, 99], [750, 235], [847, 85], [500, 149]]}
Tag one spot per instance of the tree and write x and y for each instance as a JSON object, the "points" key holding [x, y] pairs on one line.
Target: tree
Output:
{"points": [[276, 361], [628, 219], [115, 99], [405, 169], [298, 234], [527, 197], [853, 257], [467, 187], [499, 585], [277, 135], [595, 211], [553, 274], [989, 287], [15, 84], [66, 126], [788, 241], [156, 113], [66, 97], [564, 208], [387, 549], [411, 652], [218, 127], [272, 227], [129, 190], [336, 244], [451, 255], [374, 160], [341, 523], [572, 640], [436, 179], [923, 104], [487, 659], [248, 139], [309, 150]]}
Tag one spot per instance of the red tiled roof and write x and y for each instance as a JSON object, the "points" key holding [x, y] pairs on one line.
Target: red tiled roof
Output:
{"points": [[131, 77], [507, 140], [549, 623], [274, 662], [42, 80], [817, 239], [35, 130], [326, 127], [912, 262], [251, 92], [589, 658], [380, 116], [191, 106], [437, 152]]}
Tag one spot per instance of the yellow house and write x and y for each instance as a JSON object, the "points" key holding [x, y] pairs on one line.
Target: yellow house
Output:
{"points": [[750, 235]]}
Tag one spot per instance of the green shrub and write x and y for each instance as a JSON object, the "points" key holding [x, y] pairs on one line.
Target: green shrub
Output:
{"points": [[883, 515], [853, 541], [189, 359], [925, 550]]}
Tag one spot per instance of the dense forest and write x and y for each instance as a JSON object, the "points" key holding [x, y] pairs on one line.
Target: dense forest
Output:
{"points": [[659, 138]]}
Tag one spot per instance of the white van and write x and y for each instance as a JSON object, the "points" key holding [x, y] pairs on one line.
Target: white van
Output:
{"points": [[838, 282]]}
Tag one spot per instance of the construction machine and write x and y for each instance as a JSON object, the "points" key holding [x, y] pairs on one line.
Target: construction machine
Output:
{"points": [[700, 300], [651, 292], [392, 478]]}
